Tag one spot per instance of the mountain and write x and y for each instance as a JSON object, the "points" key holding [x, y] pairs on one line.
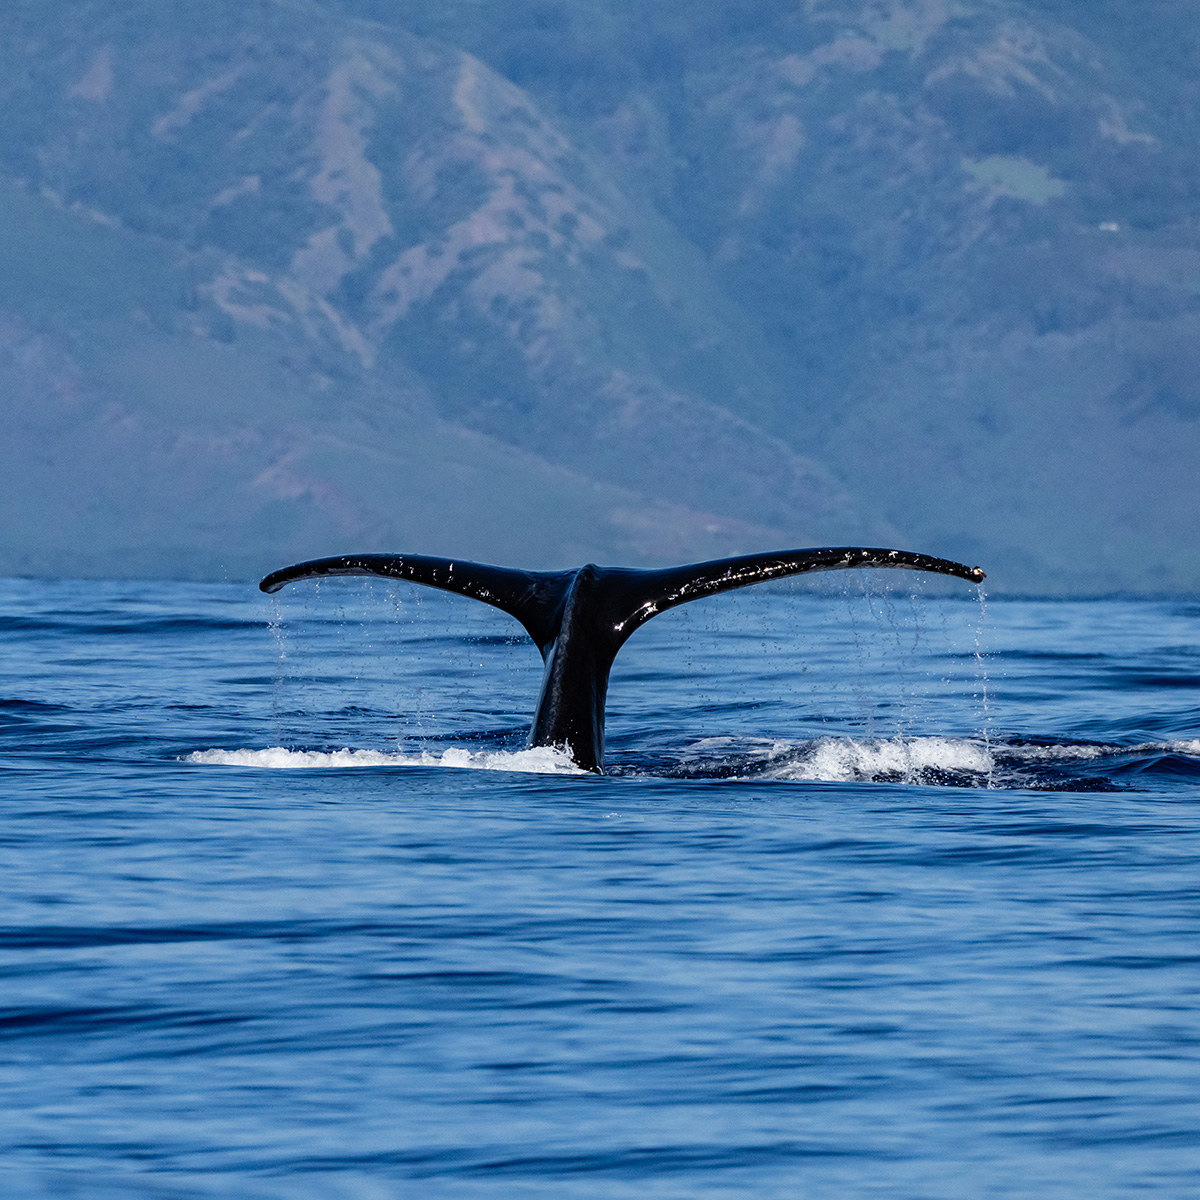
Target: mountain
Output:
{"points": [[538, 283]]}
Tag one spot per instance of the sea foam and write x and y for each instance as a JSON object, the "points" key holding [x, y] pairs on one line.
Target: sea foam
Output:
{"points": [[538, 760]]}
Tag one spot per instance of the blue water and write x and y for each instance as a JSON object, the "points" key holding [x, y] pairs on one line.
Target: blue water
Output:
{"points": [[885, 895]]}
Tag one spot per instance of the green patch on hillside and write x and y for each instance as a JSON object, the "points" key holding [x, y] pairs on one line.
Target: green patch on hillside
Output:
{"points": [[1006, 175]]}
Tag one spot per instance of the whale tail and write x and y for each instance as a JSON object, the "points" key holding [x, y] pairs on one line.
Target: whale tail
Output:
{"points": [[579, 619]]}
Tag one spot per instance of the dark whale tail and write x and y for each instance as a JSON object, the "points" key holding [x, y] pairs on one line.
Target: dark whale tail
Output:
{"points": [[580, 619]]}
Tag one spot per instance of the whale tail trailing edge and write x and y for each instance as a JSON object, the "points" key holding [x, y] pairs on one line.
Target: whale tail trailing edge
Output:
{"points": [[580, 619], [530, 596]]}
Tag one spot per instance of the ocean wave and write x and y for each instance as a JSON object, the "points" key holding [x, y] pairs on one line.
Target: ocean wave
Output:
{"points": [[936, 760], [847, 759], [844, 760], [963, 762]]}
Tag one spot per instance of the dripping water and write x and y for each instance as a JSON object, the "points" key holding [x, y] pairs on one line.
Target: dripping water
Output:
{"points": [[981, 670]]}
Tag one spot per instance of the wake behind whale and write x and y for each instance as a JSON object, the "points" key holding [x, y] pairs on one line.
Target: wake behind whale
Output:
{"points": [[1006, 764], [580, 619]]}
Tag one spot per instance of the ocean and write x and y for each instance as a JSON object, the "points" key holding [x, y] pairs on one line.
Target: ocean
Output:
{"points": [[886, 892]]}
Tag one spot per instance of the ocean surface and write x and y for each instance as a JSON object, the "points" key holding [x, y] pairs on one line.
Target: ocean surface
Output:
{"points": [[885, 894]]}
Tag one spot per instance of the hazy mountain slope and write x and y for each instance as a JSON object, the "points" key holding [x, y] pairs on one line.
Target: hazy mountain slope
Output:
{"points": [[991, 242], [966, 233], [386, 214], [132, 447], [619, 281]]}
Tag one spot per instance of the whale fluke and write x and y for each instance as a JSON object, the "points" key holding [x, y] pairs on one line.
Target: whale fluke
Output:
{"points": [[579, 619]]}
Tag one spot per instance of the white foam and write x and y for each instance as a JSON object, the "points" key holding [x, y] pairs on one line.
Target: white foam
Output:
{"points": [[843, 760], [538, 760], [1186, 746], [838, 760], [826, 760], [1049, 753]]}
